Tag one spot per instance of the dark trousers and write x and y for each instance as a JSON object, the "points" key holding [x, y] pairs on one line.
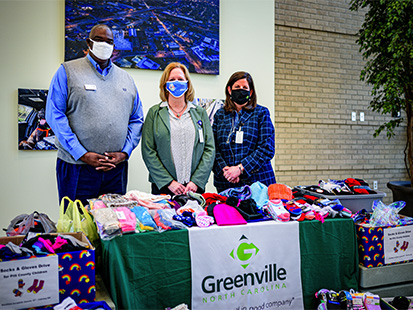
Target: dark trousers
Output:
{"points": [[85, 182], [165, 190]]}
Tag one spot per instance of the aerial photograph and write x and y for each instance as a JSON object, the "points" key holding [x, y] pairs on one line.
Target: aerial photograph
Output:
{"points": [[149, 34]]}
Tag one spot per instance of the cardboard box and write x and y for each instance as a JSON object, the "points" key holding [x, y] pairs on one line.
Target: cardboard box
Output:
{"points": [[378, 246], [72, 274]]}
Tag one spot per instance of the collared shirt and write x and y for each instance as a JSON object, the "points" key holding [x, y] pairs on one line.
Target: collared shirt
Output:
{"points": [[182, 140], [56, 118]]}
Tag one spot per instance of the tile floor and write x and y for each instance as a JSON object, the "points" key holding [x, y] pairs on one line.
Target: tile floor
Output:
{"points": [[102, 293]]}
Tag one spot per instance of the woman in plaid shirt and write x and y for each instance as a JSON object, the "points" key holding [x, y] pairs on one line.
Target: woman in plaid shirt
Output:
{"points": [[244, 137]]}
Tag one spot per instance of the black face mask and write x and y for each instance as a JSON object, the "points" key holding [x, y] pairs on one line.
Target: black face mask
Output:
{"points": [[240, 96]]}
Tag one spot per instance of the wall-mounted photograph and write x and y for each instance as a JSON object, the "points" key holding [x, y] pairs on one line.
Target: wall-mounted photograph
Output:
{"points": [[210, 105], [34, 132], [149, 34]]}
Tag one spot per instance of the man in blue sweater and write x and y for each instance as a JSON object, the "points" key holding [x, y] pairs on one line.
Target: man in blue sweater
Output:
{"points": [[94, 109]]}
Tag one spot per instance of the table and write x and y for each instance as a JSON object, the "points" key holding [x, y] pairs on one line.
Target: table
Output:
{"points": [[153, 270]]}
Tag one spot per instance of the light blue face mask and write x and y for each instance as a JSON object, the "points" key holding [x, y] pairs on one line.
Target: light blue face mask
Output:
{"points": [[177, 88]]}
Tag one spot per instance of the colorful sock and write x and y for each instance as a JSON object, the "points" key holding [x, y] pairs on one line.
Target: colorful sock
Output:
{"points": [[346, 301], [404, 246], [330, 211], [357, 301], [59, 243], [333, 300], [185, 217], [299, 218], [293, 208], [321, 295], [34, 285], [309, 215], [371, 301], [202, 219], [345, 213], [39, 287], [47, 244], [277, 211]]}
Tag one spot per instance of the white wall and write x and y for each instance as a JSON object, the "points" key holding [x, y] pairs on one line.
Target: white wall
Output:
{"points": [[32, 48]]}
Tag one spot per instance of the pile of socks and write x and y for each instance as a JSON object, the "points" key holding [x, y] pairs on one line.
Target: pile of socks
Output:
{"points": [[116, 200], [300, 204], [115, 214], [347, 300], [164, 219], [349, 186], [139, 212], [147, 200], [107, 223], [41, 245]]}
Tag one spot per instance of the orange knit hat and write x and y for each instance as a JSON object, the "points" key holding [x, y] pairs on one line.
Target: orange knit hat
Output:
{"points": [[279, 191]]}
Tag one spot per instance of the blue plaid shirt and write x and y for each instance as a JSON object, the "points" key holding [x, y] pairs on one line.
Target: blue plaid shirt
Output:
{"points": [[254, 153]]}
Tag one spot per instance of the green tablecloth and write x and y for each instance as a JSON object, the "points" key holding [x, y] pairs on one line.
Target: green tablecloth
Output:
{"points": [[153, 270]]}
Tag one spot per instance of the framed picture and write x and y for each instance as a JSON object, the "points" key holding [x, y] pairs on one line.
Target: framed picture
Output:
{"points": [[210, 105], [34, 132], [149, 34]]}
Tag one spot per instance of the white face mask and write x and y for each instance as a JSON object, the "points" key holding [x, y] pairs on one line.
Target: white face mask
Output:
{"points": [[102, 50]]}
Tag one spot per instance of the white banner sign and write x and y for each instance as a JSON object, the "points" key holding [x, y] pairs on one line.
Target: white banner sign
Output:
{"points": [[29, 282], [254, 266], [398, 244]]}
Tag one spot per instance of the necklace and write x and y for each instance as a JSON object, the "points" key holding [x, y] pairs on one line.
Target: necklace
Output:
{"points": [[178, 114]]}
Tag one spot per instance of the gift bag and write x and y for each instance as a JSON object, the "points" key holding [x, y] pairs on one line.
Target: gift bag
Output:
{"points": [[76, 218], [35, 222]]}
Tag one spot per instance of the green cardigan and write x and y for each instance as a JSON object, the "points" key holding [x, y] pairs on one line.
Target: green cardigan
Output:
{"points": [[156, 147]]}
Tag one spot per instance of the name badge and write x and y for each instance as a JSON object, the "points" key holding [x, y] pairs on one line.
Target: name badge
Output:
{"points": [[239, 137], [90, 87], [201, 135]]}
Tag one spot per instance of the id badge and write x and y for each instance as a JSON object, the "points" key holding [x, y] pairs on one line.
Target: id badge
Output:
{"points": [[90, 87], [201, 135], [239, 137]]}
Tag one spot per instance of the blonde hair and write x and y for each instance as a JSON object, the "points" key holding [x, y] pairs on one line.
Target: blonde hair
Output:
{"points": [[163, 93]]}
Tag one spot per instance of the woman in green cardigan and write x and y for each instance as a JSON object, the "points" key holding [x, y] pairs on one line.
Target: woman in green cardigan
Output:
{"points": [[177, 141]]}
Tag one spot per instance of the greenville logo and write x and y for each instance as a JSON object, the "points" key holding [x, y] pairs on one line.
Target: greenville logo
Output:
{"points": [[245, 252]]}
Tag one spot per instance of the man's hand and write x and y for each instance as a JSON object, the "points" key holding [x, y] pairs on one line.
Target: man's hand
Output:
{"points": [[100, 162], [115, 157]]}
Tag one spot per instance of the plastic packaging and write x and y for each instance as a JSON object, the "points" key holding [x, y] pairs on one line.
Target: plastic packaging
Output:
{"points": [[384, 215], [144, 220], [38, 222], [164, 219], [107, 223]]}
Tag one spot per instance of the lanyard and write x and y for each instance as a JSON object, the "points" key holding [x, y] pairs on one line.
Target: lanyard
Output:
{"points": [[235, 121]]}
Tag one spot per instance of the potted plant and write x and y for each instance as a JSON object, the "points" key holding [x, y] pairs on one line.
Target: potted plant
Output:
{"points": [[386, 43]]}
